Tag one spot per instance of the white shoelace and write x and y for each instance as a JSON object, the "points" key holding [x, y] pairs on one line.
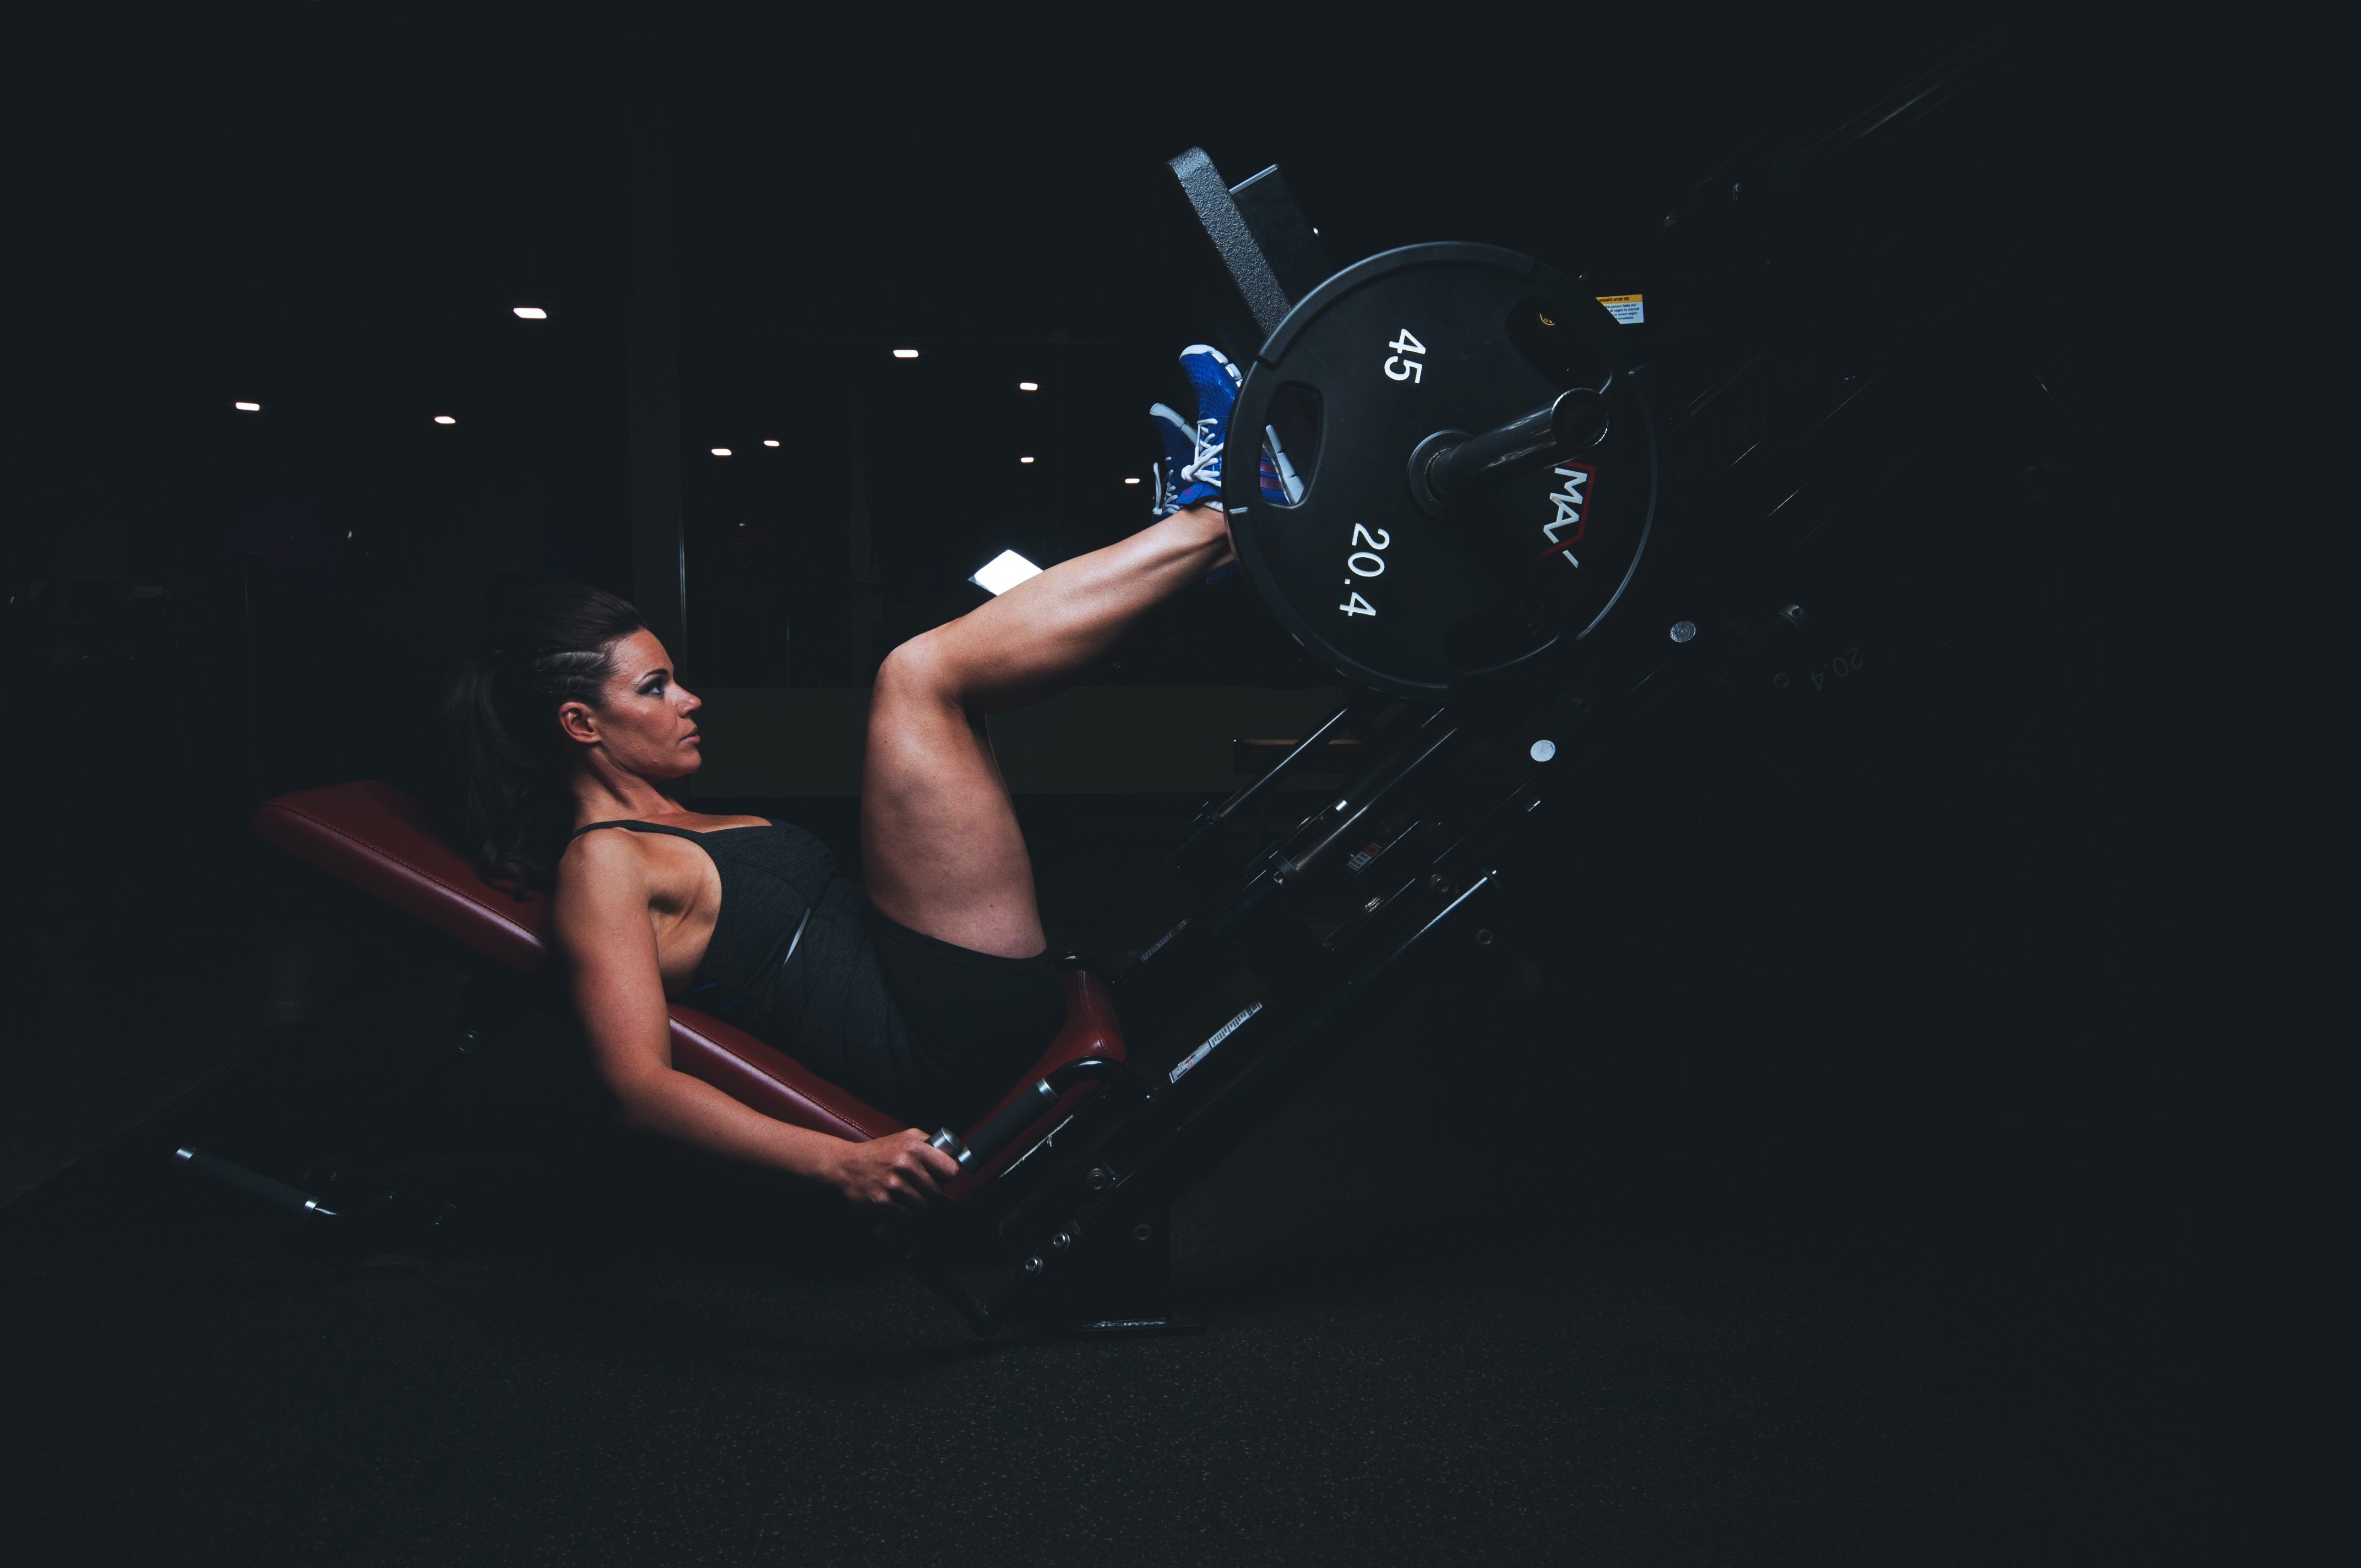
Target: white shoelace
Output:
{"points": [[1207, 452]]}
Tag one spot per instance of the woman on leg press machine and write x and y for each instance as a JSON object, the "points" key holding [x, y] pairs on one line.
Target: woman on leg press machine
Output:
{"points": [[926, 995]]}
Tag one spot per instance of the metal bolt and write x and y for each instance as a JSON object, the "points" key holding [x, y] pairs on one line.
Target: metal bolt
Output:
{"points": [[1142, 1231], [1033, 1265], [1483, 938], [1061, 1240], [1780, 680], [1684, 630], [1794, 616], [1438, 883], [1099, 1180], [466, 1041]]}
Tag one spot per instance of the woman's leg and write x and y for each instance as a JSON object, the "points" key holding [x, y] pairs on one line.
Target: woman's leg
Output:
{"points": [[940, 845]]}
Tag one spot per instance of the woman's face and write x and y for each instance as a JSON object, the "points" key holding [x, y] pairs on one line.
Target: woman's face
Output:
{"points": [[643, 723]]}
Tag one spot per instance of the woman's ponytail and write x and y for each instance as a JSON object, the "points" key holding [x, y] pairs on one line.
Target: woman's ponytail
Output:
{"points": [[554, 644]]}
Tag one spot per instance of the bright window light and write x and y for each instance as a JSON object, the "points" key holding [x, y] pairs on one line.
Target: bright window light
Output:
{"points": [[532, 314], [770, 443], [1003, 572], [1028, 386], [250, 408], [1131, 481], [905, 354], [1025, 460], [444, 419], [721, 452]]}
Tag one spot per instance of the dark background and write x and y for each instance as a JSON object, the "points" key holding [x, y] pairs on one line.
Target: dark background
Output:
{"points": [[1881, 1009]]}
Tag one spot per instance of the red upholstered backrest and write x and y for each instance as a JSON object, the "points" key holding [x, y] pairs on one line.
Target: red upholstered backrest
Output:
{"points": [[381, 841]]}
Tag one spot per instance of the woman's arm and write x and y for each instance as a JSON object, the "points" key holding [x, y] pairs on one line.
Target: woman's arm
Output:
{"points": [[610, 943]]}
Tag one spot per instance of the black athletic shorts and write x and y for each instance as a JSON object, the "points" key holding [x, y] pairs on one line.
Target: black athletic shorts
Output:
{"points": [[975, 1020]]}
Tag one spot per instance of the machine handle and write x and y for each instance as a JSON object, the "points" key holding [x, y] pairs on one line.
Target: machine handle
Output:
{"points": [[254, 1184], [1009, 1124]]}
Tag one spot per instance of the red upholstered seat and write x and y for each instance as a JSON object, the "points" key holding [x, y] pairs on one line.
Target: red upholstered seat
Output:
{"points": [[380, 840]]}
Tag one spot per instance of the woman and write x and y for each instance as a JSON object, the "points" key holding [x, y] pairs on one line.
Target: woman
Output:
{"points": [[927, 995]]}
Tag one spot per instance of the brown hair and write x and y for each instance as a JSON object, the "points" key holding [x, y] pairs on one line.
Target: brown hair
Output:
{"points": [[553, 645]]}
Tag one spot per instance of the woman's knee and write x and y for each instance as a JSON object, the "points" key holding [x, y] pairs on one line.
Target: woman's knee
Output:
{"points": [[919, 670], [921, 694]]}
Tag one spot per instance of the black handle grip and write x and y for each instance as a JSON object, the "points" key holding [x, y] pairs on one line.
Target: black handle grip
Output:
{"points": [[1011, 1122], [254, 1184], [1006, 1126]]}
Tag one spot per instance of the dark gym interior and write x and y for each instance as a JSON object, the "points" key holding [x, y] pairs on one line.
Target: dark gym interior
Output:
{"points": [[1795, 1171]]}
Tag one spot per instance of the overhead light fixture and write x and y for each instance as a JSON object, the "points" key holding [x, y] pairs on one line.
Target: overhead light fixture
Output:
{"points": [[1131, 481], [770, 443], [905, 354], [1003, 572], [248, 407], [721, 452], [1025, 460], [532, 314], [1028, 386], [444, 419]]}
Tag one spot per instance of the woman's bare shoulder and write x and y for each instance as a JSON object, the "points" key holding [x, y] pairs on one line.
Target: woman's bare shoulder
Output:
{"points": [[599, 866]]}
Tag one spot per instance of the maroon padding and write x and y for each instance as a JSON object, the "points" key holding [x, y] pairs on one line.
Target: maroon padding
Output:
{"points": [[380, 840], [1091, 1030]]}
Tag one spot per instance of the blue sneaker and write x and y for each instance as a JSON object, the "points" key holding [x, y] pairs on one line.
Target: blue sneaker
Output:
{"points": [[1216, 380], [1180, 450]]}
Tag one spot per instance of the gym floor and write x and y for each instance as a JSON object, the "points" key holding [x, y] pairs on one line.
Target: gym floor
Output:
{"points": [[1640, 1260]]}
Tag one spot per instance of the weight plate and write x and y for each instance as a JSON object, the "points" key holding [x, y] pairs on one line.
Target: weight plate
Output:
{"points": [[1386, 354]]}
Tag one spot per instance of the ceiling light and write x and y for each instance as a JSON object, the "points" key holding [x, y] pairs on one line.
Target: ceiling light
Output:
{"points": [[444, 419], [1028, 386], [1003, 572], [1132, 481], [905, 354], [721, 452], [532, 314], [1025, 460], [770, 443], [248, 407]]}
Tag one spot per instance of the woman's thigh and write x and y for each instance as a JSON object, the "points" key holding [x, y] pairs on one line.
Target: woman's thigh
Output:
{"points": [[940, 848]]}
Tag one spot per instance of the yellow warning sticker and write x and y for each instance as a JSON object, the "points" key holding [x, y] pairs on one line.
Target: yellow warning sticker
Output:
{"points": [[1625, 307]]}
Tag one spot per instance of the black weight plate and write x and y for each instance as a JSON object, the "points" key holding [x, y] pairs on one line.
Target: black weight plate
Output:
{"points": [[1392, 597]]}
